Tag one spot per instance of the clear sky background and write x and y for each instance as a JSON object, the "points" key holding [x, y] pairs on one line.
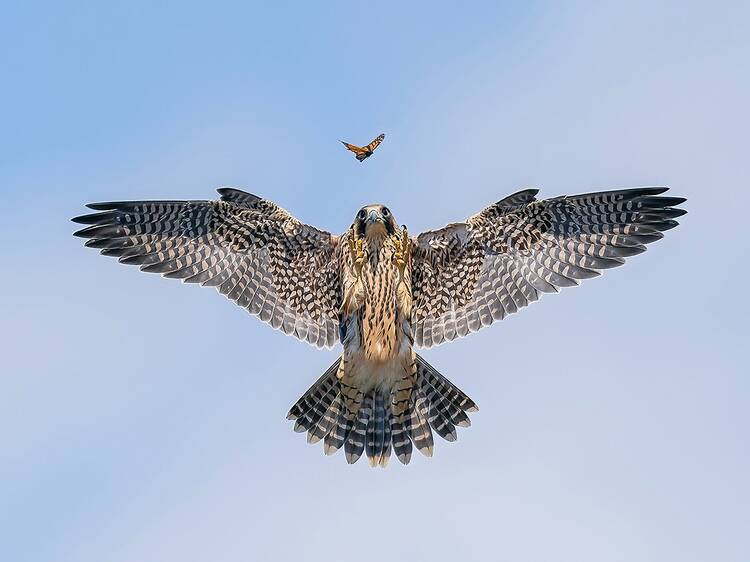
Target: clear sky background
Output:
{"points": [[144, 420]]}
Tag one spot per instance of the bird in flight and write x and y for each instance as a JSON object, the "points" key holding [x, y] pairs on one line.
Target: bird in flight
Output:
{"points": [[363, 152], [381, 292]]}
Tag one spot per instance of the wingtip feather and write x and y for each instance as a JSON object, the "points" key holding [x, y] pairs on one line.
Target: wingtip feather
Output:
{"points": [[104, 205]]}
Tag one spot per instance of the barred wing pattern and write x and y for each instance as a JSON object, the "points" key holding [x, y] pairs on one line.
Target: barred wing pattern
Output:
{"points": [[468, 275], [253, 251]]}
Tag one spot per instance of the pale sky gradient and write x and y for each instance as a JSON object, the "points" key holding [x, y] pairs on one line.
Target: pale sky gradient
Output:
{"points": [[144, 420]]}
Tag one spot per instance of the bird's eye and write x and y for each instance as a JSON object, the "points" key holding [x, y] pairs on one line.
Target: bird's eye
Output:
{"points": [[386, 212], [361, 215]]}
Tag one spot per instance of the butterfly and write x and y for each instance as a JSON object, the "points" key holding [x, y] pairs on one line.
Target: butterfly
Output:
{"points": [[362, 152]]}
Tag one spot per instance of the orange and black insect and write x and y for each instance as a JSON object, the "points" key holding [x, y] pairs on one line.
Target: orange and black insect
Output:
{"points": [[362, 152]]}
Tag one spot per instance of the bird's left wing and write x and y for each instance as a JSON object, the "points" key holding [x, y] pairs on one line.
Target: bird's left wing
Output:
{"points": [[250, 249], [470, 274]]}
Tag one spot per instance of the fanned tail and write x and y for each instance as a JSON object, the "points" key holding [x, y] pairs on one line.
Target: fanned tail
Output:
{"points": [[378, 422], [447, 403], [316, 411]]}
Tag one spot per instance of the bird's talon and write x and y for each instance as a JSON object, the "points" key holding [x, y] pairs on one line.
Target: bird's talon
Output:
{"points": [[401, 255], [357, 249]]}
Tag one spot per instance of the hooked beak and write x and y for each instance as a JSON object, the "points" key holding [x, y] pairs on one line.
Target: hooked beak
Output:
{"points": [[373, 217], [375, 224]]}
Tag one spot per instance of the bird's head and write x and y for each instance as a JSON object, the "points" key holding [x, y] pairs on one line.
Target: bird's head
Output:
{"points": [[375, 221]]}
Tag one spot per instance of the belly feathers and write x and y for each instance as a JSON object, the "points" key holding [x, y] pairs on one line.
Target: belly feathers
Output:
{"points": [[379, 317]]}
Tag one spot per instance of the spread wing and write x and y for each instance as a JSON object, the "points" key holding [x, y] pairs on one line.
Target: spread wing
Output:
{"points": [[375, 143], [253, 251], [354, 148], [470, 274]]}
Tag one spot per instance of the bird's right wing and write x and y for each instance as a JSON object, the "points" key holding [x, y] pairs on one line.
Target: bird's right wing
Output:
{"points": [[250, 249]]}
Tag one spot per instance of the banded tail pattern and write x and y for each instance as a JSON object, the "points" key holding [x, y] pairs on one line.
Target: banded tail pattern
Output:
{"points": [[383, 422]]}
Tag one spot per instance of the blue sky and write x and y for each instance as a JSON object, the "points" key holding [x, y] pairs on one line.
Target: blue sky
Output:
{"points": [[144, 420]]}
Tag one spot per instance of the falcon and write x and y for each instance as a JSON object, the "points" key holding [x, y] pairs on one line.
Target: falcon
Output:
{"points": [[381, 292]]}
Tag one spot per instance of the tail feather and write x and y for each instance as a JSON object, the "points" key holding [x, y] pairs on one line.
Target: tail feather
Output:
{"points": [[313, 403], [448, 391], [339, 432], [310, 419], [376, 432], [419, 426], [355, 442], [441, 407], [387, 436], [402, 445], [317, 410], [326, 422], [461, 419], [442, 426], [351, 403], [379, 423]]}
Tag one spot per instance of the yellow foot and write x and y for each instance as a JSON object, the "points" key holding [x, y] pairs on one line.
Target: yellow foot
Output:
{"points": [[357, 249], [402, 254]]}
